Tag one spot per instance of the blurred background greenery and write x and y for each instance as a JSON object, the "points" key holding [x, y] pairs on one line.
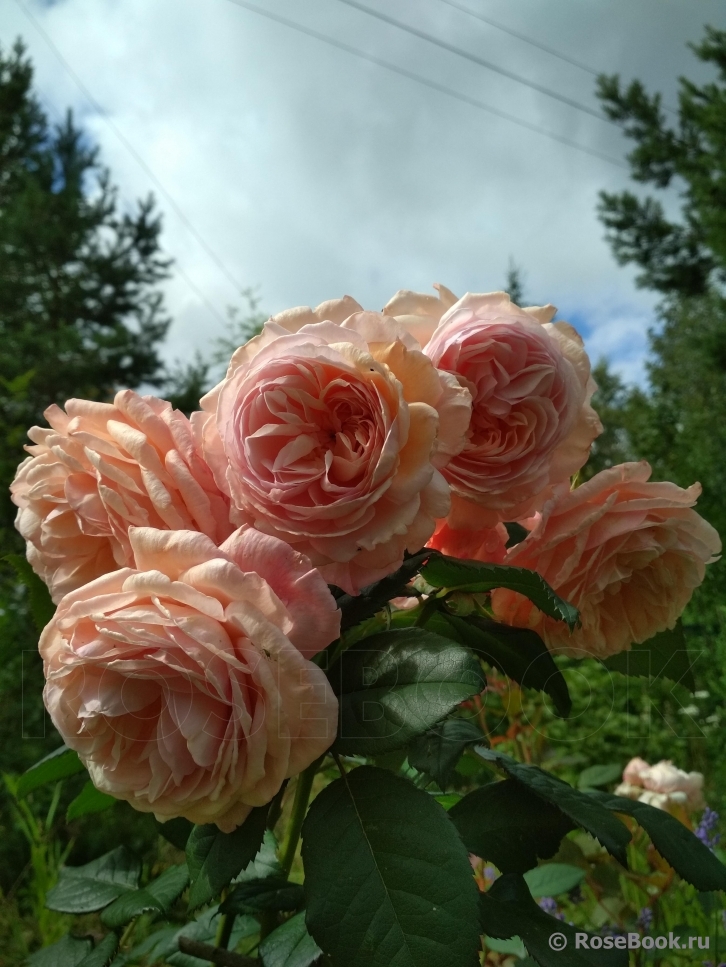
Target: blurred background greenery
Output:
{"points": [[82, 314]]}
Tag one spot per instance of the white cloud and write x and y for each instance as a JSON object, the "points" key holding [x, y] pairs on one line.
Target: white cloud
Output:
{"points": [[311, 173]]}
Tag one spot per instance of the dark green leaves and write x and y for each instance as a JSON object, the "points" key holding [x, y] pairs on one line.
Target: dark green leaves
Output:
{"points": [[376, 596], [75, 952], [214, 858], [508, 910], [175, 831], [270, 893], [396, 685], [508, 825], [89, 800], [387, 878], [448, 572], [599, 775], [437, 752], [83, 889], [552, 879], [688, 856], [158, 897], [39, 600], [59, 764], [518, 653], [664, 655], [577, 806], [290, 945], [102, 953]]}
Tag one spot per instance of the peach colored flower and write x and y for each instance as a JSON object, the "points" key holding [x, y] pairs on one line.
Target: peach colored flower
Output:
{"points": [[488, 544], [663, 785], [628, 553], [181, 683], [331, 435], [100, 469], [532, 424]]}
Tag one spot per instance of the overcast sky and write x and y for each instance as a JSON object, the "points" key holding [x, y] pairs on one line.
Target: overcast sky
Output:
{"points": [[309, 172]]}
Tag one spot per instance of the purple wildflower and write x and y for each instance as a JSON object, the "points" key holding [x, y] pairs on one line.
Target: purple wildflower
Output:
{"points": [[707, 829], [645, 919]]}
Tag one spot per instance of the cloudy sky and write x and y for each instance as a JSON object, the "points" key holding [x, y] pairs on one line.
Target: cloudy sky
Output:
{"points": [[296, 167]]}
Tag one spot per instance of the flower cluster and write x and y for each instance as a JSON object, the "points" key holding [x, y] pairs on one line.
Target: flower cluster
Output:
{"points": [[663, 785], [190, 557]]}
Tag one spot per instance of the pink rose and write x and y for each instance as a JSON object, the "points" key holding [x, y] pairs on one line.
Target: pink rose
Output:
{"points": [[101, 469], [634, 771], [332, 436], [532, 424], [669, 780], [182, 684], [626, 552], [488, 544]]}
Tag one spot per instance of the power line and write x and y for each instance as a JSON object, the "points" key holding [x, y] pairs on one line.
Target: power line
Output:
{"points": [[130, 148], [479, 61], [425, 81], [527, 40], [532, 42]]}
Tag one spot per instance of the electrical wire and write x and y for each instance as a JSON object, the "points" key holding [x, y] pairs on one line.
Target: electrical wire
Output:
{"points": [[479, 61], [425, 81], [534, 43], [132, 150]]}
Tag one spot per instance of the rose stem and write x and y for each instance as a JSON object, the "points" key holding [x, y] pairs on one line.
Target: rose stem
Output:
{"points": [[299, 808]]}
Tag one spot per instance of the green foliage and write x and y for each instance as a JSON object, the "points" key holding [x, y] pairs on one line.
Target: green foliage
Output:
{"points": [[60, 764], [509, 826], [578, 807], [268, 893], [387, 879], [552, 879], [40, 604], [214, 857], [89, 800], [396, 685], [686, 256], [290, 945], [157, 896], [447, 572], [83, 889], [508, 910], [436, 752], [664, 654]]}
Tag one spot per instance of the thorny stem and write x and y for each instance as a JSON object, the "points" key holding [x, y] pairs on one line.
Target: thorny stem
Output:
{"points": [[224, 931]]}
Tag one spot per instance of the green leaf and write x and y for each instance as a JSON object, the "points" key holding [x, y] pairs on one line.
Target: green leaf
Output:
{"points": [[664, 655], [83, 889], [356, 608], [162, 946], [552, 879], [512, 946], [448, 572], [398, 684], [436, 752], [270, 893], [40, 603], [102, 953], [57, 765], [175, 831], [690, 858], [448, 799], [508, 910], [89, 800], [577, 806], [290, 945], [158, 897], [387, 879], [68, 952], [518, 653], [508, 825], [265, 862], [597, 775], [214, 857]]}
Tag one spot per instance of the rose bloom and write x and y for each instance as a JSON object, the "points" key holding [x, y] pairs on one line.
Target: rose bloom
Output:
{"points": [[183, 684], [626, 552], [330, 431], [488, 544], [100, 469], [662, 785], [532, 424]]}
